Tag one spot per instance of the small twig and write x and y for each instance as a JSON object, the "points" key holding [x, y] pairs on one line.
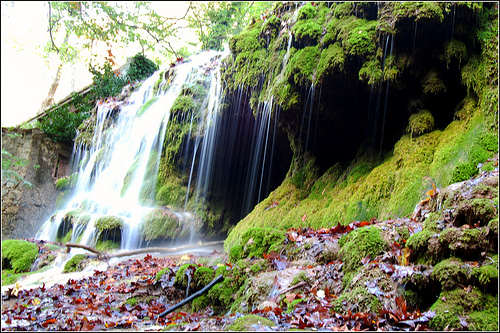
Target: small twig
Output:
{"points": [[193, 296], [298, 285]]}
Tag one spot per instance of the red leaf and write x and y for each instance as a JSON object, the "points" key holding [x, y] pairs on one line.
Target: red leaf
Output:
{"points": [[304, 217], [364, 223], [365, 260]]}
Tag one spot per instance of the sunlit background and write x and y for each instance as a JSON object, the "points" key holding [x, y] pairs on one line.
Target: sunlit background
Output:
{"points": [[26, 72]]}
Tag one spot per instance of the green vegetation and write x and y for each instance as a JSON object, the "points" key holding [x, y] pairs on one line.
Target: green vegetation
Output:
{"points": [[245, 323], [75, 264], [18, 255]]}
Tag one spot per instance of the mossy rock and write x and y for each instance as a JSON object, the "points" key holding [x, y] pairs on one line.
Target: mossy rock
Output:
{"points": [[18, 255], [200, 303], [450, 273], [235, 253], [478, 310], [478, 210], [421, 122], [486, 276], [68, 182], [256, 241], [108, 223], [162, 272], [247, 323], [467, 243], [203, 276], [76, 264], [358, 244], [181, 277], [160, 224]]}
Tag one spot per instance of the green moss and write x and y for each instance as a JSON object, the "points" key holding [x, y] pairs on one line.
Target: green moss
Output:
{"points": [[68, 182], [421, 122], [171, 193], [203, 276], [132, 301], [371, 72], [245, 323], [432, 84], [256, 241], [107, 245], [307, 31], [108, 223], [146, 106], [486, 274], [158, 224], [362, 300], [75, 264], [449, 273], [479, 310], [301, 276], [200, 303], [18, 255], [183, 104], [455, 49], [332, 59], [302, 65], [235, 253], [360, 243], [160, 273], [181, 277]]}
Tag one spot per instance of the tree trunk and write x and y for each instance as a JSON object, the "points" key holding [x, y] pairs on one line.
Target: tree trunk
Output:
{"points": [[52, 91]]}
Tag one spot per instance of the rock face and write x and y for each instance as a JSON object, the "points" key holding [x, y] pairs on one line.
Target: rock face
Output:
{"points": [[23, 209]]}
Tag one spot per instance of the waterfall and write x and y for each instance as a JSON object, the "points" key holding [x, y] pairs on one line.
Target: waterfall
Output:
{"points": [[117, 173]]}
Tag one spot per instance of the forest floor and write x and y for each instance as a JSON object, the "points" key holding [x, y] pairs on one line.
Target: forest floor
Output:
{"points": [[307, 285]]}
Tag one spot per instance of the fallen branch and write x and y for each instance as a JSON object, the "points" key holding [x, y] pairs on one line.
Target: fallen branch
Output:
{"points": [[160, 249], [193, 296], [88, 248], [140, 251]]}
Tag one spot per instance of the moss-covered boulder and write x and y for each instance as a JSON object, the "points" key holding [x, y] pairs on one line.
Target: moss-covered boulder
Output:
{"points": [[162, 224], [76, 264], [250, 323], [257, 241], [465, 308], [358, 244], [18, 255]]}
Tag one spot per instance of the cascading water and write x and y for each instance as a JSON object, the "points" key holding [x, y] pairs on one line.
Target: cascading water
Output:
{"points": [[117, 174]]}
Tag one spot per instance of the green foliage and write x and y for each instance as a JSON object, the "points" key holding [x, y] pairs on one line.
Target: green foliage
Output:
{"points": [[106, 82], [60, 125], [18, 255], [75, 264], [455, 49], [421, 122], [8, 174], [141, 68], [216, 22], [432, 84]]}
